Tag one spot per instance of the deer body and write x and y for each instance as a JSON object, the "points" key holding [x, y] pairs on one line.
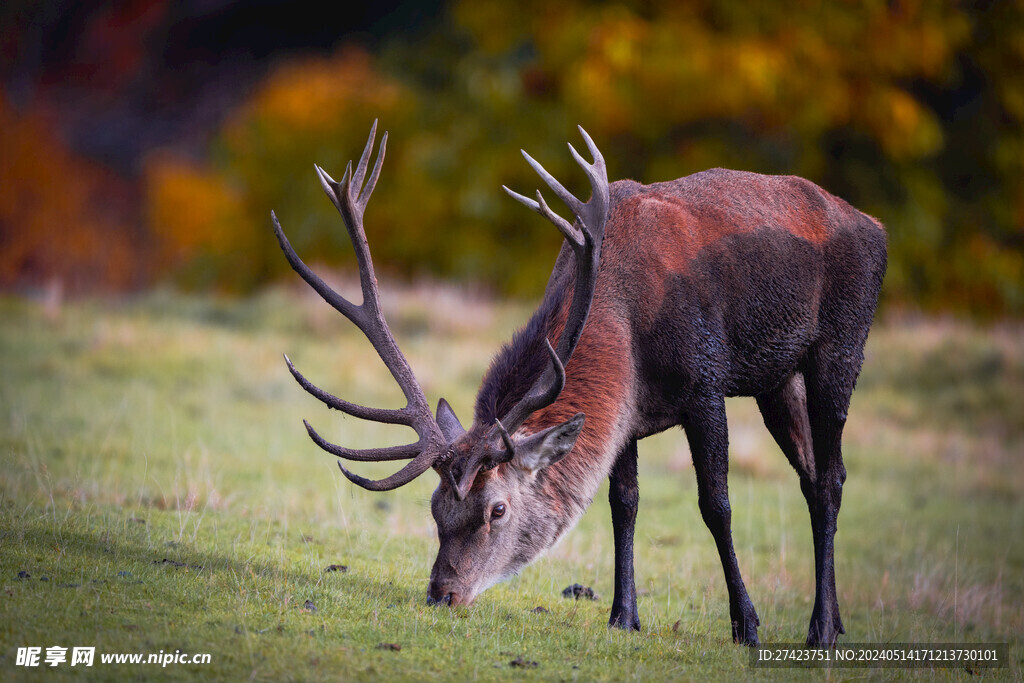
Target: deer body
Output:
{"points": [[718, 284]]}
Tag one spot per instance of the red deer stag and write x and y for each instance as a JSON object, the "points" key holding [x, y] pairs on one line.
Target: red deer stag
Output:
{"points": [[665, 299]]}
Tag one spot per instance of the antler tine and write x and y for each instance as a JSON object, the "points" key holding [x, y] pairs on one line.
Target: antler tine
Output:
{"points": [[364, 159], [575, 205], [543, 392], [371, 319], [413, 469], [594, 171], [328, 184], [340, 303], [597, 173], [400, 417], [594, 151], [403, 452], [350, 198], [540, 206], [510, 447], [364, 196], [525, 201], [570, 233]]}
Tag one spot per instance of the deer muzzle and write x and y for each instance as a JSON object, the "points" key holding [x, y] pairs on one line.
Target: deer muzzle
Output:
{"points": [[444, 593]]}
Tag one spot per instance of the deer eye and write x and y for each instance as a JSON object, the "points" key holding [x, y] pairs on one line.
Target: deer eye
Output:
{"points": [[498, 511]]}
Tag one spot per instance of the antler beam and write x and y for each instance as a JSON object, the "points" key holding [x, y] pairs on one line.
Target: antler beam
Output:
{"points": [[585, 237]]}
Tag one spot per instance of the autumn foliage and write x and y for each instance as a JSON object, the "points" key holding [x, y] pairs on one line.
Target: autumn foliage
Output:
{"points": [[911, 110], [63, 219]]}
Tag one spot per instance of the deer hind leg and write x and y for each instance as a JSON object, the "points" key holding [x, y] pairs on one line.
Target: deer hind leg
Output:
{"points": [[624, 498], [829, 375], [707, 433], [784, 410]]}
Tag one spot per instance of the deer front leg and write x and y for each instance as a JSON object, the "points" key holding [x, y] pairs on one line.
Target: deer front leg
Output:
{"points": [[624, 498], [707, 432]]}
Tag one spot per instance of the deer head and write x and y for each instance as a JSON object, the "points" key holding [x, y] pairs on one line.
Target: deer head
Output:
{"points": [[490, 515]]}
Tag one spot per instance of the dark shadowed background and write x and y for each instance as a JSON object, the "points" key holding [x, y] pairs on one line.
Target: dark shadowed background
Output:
{"points": [[145, 142]]}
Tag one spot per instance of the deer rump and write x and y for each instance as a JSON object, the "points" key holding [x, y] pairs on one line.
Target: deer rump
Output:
{"points": [[665, 299]]}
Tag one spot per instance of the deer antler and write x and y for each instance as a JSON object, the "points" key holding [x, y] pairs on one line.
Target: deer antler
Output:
{"points": [[584, 236], [350, 197]]}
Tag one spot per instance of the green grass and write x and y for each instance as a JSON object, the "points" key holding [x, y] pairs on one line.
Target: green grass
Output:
{"points": [[168, 428]]}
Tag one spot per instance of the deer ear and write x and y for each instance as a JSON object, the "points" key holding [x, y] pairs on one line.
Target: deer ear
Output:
{"points": [[547, 447], [448, 422]]}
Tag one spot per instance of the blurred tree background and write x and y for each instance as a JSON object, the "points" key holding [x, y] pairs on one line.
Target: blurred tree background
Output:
{"points": [[147, 141]]}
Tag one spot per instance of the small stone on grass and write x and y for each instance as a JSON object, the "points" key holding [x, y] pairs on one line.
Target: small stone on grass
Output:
{"points": [[577, 591], [520, 663]]}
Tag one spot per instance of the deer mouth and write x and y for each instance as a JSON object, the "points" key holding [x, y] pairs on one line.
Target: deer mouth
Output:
{"points": [[444, 593], [451, 599]]}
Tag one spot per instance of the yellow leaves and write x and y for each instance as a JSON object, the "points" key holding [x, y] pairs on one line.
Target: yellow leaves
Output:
{"points": [[988, 277], [210, 218], [593, 90], [916, 39], [901, 125], [822, 66], [619, 39], [758, 66], [840, 91], [602, 83], [1012, 96], [755, 74], [191, 208], [312, 95]]}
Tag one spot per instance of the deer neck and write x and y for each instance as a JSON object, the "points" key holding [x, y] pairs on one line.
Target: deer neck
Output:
{"points": [[599, 384]]}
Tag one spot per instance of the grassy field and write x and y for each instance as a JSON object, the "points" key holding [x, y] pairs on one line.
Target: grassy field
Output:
{"points": [[158, 493]]}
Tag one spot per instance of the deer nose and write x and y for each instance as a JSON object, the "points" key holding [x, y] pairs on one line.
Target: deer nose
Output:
{"points": [[438, 594], [443, 600], [450, 599]]}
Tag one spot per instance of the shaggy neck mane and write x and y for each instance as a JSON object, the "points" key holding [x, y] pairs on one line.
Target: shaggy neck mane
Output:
{"points": [[597, 384], [518, 364]]}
